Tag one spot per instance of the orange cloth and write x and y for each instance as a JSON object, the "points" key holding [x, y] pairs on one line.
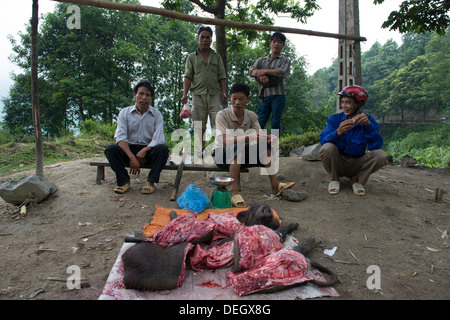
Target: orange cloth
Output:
{"points": [[161, 217]]}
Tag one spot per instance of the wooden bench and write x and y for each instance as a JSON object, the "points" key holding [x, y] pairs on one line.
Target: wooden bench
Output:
{"points": [[180, 168]]}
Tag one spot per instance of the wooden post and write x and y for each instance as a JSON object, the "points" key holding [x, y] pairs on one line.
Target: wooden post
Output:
{"points": [[349, 50], [35, 90]]}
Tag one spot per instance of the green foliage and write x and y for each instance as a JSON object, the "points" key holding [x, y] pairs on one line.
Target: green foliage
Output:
{"points": [[13, 135], [410, 82], [429, 145], [433, 156], [290, 142], [419, 16], [96, 128], [89, 73]]}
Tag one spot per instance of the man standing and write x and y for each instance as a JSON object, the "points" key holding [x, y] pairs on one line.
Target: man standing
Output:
{"points": [[205, 77], [345, 139], [270, 72], [139, 140]]}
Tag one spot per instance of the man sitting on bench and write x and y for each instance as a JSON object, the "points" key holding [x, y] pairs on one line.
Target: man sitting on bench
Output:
{"points": [[139, 140], [240, 142]]}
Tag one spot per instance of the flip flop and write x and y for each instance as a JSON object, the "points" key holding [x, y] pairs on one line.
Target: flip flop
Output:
{"points": [[148, 188], [334, 187], [358, 189], [122, 189], [236, 199], [283, 186]]}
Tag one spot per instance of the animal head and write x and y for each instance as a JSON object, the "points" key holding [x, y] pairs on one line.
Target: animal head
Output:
{"points": [[258, 213]]}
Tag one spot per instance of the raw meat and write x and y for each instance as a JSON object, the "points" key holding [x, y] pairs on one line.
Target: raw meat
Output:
{"points": [[264, 263], [280, 269], [255, 243], [212, 256], [216, 254], [225, 224], [182, 229]]}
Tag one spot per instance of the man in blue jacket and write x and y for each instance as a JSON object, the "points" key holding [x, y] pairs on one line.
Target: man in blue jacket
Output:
{"points": [[345, 139]]}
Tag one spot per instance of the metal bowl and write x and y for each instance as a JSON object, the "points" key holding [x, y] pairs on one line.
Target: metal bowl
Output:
{"points": [[222, 181]]}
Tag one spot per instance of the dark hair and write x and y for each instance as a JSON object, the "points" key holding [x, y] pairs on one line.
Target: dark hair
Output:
{"points": [[204, 28], [146, 84], [240, 87], [278, 35]]}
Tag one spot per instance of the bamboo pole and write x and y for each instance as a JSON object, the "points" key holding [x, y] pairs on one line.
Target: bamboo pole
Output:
{"points": [[208, 21], [35, 90]]}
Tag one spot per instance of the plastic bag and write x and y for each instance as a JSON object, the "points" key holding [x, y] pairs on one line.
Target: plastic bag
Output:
{"points": [[185, 112], [192, 199]]}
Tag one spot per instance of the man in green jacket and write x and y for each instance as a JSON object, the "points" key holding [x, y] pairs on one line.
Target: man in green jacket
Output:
{"points": [[206, 79]]}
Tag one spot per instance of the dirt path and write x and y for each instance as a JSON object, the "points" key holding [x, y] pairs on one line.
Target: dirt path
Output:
{"points": [[397, 227]]}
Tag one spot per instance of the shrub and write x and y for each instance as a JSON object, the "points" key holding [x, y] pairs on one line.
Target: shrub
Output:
{"points": [[95, 127], [289, 142], [430, 146]]}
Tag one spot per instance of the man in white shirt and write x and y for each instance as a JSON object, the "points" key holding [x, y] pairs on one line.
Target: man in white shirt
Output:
{"points": [[240, 143], [139, 140]]}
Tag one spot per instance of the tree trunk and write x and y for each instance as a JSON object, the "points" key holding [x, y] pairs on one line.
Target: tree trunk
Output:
{"points": [[35, 90], [221, 38]]}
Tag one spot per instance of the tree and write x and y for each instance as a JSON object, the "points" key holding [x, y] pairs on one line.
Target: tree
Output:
{"points": [[172, 41], [406, 92], [91, 68], [379, 62], [407, 82], [438, 53], [17, 110], [419, 16], [89, 73], [413, 45]]}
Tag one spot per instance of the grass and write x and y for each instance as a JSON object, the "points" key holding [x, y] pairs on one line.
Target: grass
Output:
{"points": [[17, 156]]}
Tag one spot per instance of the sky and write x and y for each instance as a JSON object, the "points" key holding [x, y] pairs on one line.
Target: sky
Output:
{"points": [[319, 52]]}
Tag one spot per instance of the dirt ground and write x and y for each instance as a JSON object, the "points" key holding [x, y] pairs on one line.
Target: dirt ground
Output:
{"points": [[397, 227]]}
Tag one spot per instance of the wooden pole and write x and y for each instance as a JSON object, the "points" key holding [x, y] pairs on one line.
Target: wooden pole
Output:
{"points": [[35, 91], [209, 21], [349, 51]]}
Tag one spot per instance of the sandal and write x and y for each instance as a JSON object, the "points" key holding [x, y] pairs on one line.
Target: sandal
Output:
{"points": [[334, 187], [238, 201], [283, 186], [148, 188], [358, 189], [122, 189]]}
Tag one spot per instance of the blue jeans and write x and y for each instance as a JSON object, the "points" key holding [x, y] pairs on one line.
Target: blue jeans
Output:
{"points": [[271, 104]]}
